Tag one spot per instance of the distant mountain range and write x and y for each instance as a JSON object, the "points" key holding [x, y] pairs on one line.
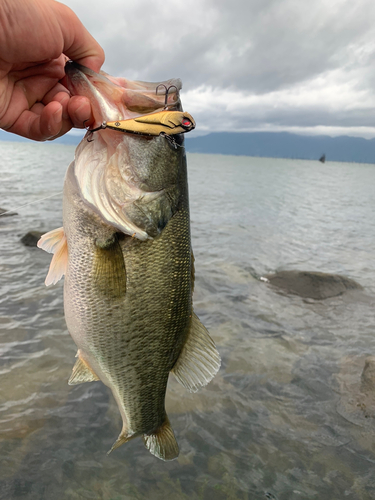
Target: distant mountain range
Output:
{"points": [[285, 145], [266, 144]]}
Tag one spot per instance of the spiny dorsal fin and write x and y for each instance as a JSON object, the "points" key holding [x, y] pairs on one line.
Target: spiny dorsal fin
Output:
{"points": [[55, 242], [82, 372], [199, 360], [162, 443]]}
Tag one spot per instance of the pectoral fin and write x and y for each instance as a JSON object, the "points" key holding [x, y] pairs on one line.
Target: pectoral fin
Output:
{"points": [[55, 242], [82, 372], [108, 270], [199, 360]]}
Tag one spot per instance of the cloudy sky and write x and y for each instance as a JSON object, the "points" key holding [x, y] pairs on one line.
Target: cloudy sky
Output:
{"points": [[293, 65]]}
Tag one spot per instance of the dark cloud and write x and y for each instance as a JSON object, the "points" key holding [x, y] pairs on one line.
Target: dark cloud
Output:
{"points": [[275, 50]]}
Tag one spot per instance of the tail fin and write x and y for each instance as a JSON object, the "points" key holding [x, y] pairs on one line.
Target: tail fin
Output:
{"points": [[162, 443]]}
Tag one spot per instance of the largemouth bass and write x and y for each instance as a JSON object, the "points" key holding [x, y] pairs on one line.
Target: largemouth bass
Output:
{"points": [[125, 251]]}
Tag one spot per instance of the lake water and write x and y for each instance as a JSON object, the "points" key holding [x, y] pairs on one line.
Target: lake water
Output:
{"points": [[286, 418]]}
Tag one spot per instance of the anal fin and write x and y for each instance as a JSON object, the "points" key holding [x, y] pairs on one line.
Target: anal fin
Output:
{"points": [[199, 360], [123, 438], [82, 372], [162, 443]]}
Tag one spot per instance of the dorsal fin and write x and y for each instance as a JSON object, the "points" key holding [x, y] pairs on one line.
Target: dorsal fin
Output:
{"points": [[82, 372], [199, 360], [55, 242]]}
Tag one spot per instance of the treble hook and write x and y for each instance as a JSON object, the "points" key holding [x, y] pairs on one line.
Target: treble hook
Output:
{"points": [[161, 85], [92, 130], [166, 92]]}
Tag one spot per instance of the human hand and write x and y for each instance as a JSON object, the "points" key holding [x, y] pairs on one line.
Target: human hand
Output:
{"points": [[36, 39]]}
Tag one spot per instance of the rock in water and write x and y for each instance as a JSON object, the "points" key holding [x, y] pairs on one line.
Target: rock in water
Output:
{"points": [[31, 238], [312, 285], [6, 213]]}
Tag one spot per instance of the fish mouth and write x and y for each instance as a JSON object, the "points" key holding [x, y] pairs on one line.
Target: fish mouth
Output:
{"points": [[119, 98]]}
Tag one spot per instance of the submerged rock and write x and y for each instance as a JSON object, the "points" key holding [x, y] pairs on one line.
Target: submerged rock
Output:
{"points": [[313, 285], [357, 388], [31, 238], [4, 212], [368, 376]]}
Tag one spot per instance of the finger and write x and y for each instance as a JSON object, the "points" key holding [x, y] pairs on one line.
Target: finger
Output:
{"points": [[49, 123], [61, 95], [40, 122], [53, 123], [51, 69], [80, 112], [46, 122], [76, 109], [26, 93]]}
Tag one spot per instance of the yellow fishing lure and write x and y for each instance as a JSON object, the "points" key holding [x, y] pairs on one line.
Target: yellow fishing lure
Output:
{"points": [[166, 122]]}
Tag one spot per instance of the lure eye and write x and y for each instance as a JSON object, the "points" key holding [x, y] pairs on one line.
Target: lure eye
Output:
{"points": [[185, 122]]}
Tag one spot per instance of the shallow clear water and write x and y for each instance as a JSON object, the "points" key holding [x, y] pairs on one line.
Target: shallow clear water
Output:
{"points": [[286, 418]]}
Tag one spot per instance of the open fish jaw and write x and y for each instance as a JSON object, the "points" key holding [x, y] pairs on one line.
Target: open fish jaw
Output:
{"points": [[113, 175], [126, 191], [126, 255], [118, 98]]}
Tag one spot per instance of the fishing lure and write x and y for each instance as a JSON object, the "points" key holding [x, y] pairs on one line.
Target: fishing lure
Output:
{"points": [[162, 122]]}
